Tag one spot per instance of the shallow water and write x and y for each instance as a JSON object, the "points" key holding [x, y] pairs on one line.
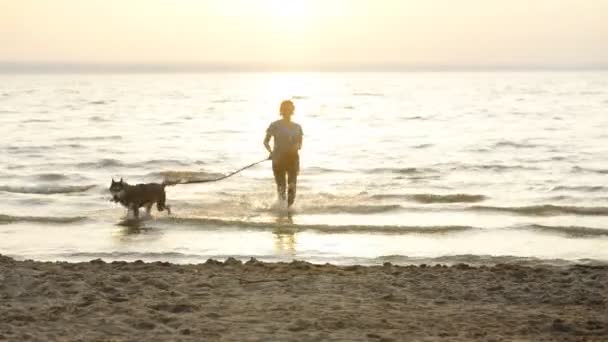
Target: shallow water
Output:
{"points": [[395, 166]]}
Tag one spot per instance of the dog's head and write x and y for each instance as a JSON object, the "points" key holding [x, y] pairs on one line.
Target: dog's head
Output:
{"points": [[117, 189]]}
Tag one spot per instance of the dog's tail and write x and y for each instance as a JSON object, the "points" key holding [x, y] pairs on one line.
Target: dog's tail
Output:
{"points": [[166, 183]]}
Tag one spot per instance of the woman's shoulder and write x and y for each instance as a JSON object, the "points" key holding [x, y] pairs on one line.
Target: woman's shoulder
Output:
{"points": [[273, 124]]}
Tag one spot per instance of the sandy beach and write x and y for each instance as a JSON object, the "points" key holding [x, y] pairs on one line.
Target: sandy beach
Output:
{"points": [[255, 301]]}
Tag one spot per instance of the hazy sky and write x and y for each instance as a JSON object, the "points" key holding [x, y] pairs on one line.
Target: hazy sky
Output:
{"points": [[307, 33]]}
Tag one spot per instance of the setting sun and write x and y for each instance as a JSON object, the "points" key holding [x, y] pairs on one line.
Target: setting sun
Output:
{"points": [[288, 10]]}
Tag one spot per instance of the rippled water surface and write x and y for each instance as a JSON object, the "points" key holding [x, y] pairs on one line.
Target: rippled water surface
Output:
{"points": [[395, 166]]}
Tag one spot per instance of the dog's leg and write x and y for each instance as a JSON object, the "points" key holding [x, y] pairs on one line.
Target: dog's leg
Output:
{"points": [[135, 211], [162, 204], [149, 209]]}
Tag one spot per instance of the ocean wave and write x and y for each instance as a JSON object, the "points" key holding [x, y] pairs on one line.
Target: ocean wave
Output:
{"points": [[274, 226], [561, 198], [100, 102], [102, 163], [402, 171], [579, 169], [227, 100], [36, 121], [546, 210], [514, 144], [368, 94], [434, 198], [217, 223], [160, 162], [351, 209], [583, 188], [95, 138], [455, 198], [416, 117], [50, 176], [39, 219], [571, 231], [421, 146], [97, 118], [46, 189], [322, 170], [109, 163], [491, 167], [39, 148]]}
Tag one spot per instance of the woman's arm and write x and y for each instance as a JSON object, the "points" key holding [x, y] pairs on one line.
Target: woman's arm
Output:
{"points": [[300, 137], [267, 143]]}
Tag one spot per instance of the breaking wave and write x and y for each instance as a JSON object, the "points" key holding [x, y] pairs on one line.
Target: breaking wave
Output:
{"points": [[485, 260], [448, 260], [132, 256], [210, 223]]}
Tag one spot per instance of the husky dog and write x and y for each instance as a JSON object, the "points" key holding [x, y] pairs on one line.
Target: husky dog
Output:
{"points": [[140, 195]]}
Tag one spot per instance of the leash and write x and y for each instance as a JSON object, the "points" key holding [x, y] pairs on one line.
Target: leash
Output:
{"points": [[216, 179]]}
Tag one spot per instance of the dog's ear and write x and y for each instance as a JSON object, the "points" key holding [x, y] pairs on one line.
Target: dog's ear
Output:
{"points": [[113, 180], [121, 181]]}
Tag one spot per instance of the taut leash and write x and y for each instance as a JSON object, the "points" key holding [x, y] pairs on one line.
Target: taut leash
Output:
{"points": [[216, 179]]}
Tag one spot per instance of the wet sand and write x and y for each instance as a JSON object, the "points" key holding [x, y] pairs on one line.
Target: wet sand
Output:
{"points": [[231, 301]]}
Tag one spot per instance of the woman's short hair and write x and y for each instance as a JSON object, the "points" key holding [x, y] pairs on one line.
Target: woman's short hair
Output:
{"points": [[285, 106]]}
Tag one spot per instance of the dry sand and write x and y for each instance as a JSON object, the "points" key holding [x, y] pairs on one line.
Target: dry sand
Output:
{"points": [[298, 301]]}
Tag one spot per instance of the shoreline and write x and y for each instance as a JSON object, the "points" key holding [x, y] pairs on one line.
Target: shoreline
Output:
{"points": [[235, 301]]}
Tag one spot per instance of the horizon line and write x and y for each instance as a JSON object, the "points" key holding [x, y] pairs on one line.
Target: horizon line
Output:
{"points": [[76, 67]]}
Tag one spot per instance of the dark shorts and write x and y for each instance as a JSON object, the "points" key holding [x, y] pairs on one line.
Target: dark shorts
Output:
{"points": [[286, 176], [286, 166]]}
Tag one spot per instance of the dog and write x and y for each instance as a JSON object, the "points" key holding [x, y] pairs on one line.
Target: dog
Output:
{"points": [[136, 196]]}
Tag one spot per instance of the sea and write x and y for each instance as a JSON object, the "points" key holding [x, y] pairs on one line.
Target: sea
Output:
{"points": [[400, 167]]}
